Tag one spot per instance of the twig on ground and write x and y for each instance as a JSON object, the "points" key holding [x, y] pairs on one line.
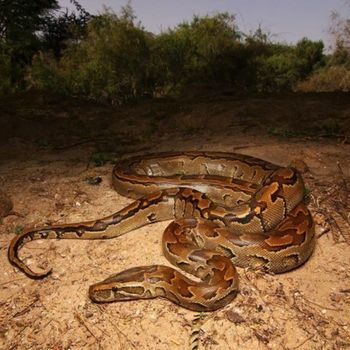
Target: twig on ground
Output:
{"points": [[304, 341], [321, 306], [27, 308], [340, 232], [15, 345], [341, 172], [323, 232], [14, 280]]}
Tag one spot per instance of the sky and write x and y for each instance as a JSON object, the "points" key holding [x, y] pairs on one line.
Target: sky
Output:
{"points": [[287, 20]]}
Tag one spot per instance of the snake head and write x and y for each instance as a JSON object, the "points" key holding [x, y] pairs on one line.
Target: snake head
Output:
{"points": [[126, 285]]}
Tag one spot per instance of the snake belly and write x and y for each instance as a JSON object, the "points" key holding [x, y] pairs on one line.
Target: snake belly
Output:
{"points": [[228, 210]]}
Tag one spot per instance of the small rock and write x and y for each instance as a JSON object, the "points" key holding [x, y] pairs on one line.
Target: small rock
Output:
{"points": [[93, 180], [234, 317], [88, 314]]}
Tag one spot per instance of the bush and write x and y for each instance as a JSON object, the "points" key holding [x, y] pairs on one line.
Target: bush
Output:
{"points": [[110, 64], [309, 55], [5, 71], [281, 67], [330, 79], [277, 72], [204, 51], [169, 53], [116, 60]]}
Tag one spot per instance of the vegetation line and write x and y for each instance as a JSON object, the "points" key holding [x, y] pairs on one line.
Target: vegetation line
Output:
{"points": [[111, 58]]}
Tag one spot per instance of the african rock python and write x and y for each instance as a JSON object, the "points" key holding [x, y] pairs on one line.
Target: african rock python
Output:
{"points": [[229, 210]]}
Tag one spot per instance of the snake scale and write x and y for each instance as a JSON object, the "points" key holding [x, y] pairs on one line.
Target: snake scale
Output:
{"points": [[228, 210]]}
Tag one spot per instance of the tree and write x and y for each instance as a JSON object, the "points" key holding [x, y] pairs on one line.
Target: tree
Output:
{"points": [[29, 26], [63, 27], [310, 54], [340, 31], [20, 21], [21, 17], [110, 63], [204, 50]]}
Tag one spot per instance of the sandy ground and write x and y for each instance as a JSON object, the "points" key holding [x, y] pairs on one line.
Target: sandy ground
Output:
{"points": [[46, 178]]}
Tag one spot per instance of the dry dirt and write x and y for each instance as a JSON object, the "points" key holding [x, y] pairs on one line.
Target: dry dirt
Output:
{"points": [[49, 155]]}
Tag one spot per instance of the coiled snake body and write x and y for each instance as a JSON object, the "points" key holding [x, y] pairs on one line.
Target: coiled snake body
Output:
{"points": [[229, 210]]}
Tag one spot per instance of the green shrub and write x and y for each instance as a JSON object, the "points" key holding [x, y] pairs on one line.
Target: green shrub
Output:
{"points": [[277, 72], [118, 61], [309, 55], [46, 74], [169, 56], [281, 67], [110, 64], [5, 71], [203, 51], [11, 70]]}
